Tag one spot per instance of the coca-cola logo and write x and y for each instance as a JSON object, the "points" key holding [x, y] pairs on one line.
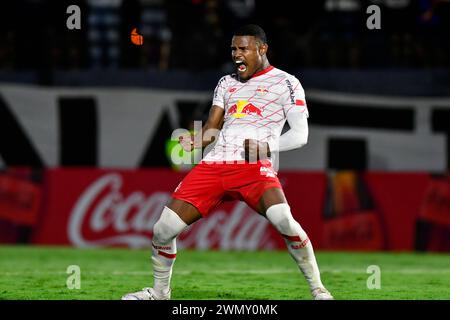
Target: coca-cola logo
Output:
{"points": [[104, 216], [102, 205]]}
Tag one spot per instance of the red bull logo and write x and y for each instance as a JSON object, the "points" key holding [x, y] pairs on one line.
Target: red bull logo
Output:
{"points": [[243, 108], [261, 91]]}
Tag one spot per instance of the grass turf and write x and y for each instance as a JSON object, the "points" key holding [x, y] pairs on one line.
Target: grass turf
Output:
{"points": [[41, 273]]}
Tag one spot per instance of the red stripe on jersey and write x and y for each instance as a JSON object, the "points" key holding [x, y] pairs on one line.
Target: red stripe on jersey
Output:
{"points": [[263, 71], [167, 255], [299, 102], [292, 238]]}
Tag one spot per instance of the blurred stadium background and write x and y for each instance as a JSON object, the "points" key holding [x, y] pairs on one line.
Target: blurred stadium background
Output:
{"points": [[86, 119]]}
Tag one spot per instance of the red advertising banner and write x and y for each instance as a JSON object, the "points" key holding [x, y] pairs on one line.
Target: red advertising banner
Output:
{"points": [[93, 207], [339, 211], [20, 200], [436, 205], [398, 198], [359, 231]]}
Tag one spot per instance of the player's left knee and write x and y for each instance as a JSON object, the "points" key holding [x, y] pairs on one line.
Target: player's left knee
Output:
{"points": [[281, 217]]}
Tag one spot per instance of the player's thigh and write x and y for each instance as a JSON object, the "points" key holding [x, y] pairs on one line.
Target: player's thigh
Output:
{"points": [[270, 197], [186, 211], [201, 189]]}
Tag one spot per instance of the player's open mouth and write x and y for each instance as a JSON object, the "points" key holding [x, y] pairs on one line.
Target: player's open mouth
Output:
{"points": [[240, 65]]}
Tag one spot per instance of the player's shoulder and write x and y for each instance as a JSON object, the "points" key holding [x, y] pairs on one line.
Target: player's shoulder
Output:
{"points": [[226, 79], [288, 77]]}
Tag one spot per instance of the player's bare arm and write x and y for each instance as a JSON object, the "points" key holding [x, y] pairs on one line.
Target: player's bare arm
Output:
{"points": [[209, 131]]}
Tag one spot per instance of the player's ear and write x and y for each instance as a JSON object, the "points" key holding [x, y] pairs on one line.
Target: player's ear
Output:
{"points": [[263, 49]]}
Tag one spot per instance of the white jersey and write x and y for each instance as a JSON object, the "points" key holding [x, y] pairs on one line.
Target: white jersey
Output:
{"points": [[255, 109]]}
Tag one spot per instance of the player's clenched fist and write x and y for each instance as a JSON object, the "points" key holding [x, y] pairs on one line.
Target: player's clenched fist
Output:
{"points": [[187, 141], [256, 150]]}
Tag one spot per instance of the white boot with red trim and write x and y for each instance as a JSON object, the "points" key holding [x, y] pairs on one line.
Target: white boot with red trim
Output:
{"points": [[321, 294], [146, 294]]}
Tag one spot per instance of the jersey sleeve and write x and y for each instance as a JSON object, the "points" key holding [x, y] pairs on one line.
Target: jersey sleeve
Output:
{"points": [[293, 99], [219, 93]]}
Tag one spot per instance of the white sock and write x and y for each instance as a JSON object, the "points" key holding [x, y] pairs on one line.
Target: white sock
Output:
{"points": [[297, 242], [164, 248]]}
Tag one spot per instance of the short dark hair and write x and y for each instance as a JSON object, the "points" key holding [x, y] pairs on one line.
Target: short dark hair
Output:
{"points": [[252, 30]]}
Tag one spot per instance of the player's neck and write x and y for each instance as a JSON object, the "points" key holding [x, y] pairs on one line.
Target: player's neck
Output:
{"points": [[263, 67]]}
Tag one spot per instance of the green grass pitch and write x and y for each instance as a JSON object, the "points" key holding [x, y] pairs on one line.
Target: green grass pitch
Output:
{"points": [[28, 272]]}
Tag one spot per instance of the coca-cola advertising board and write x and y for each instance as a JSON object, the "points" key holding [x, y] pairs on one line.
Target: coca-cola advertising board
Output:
{"points": [[96, 207]]}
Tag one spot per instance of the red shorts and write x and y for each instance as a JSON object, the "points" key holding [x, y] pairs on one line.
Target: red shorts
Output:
{"points": [[209, 184]]}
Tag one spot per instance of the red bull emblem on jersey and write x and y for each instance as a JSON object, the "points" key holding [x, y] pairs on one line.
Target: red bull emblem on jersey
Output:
{"points": [[243, 108], [261, 91]]}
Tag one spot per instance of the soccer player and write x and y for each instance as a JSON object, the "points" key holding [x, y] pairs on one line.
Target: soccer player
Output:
{"points": [[250, 109]]}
